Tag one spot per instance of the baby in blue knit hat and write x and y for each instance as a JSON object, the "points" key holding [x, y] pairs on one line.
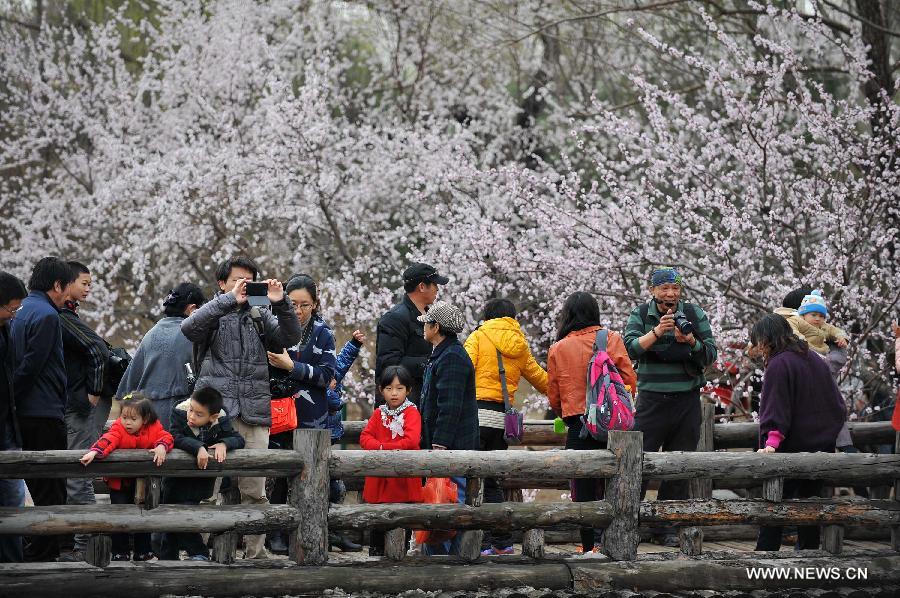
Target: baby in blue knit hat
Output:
{"points": [[814, 311]]}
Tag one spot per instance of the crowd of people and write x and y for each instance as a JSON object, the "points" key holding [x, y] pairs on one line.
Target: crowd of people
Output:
{"points": [[204, 377]]}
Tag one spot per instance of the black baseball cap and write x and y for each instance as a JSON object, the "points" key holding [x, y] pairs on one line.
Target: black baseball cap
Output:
{"points": [[419, 272]]}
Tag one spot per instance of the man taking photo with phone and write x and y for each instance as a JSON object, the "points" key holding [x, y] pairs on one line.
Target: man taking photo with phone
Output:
{"points": [[230, 357]]}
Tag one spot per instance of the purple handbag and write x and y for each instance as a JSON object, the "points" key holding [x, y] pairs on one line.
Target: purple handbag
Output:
{"points": [[513, 420]]}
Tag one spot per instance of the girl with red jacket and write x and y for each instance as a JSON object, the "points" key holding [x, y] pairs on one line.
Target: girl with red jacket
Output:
{"points": [[138, 427], [396, 425]]}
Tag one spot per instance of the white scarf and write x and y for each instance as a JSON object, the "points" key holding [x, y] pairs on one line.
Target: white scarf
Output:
{"points": [[396, 424]]}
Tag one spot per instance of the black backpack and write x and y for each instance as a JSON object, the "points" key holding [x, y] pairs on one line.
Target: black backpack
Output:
{"points": [[118, 361]]}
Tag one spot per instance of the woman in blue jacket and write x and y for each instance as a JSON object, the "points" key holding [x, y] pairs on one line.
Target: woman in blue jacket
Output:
{"points": [[310, 365]]}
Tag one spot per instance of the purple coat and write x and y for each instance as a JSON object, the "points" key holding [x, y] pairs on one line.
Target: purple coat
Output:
{"points": [[800, 400]]}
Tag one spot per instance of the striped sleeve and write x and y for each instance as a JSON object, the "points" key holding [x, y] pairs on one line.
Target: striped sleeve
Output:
{"points": [[91, 345], [634, 330]]}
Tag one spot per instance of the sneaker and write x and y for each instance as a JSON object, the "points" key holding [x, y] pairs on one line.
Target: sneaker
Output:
{"points": [[595, 550], [121, 556], [494, 551], [147, 556], [71, 556], [198, 557]]}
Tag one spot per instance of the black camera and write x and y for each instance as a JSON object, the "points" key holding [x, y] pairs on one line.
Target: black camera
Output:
{"points": [[682, 323]]}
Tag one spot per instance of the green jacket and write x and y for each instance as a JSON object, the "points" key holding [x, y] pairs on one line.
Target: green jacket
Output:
{"points": [[668, 366]]}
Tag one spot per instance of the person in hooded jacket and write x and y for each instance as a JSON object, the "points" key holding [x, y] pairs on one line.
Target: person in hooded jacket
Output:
{"points": [[499, 332]]}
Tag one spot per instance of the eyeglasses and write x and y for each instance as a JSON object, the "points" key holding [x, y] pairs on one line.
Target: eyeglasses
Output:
{"points": [[305, 306], [11, 312]]}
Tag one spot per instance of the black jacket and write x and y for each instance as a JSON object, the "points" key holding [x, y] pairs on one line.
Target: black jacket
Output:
{"points": [[39, 378], [193, 490], [86, 356], [7, 400], [400, 341]]}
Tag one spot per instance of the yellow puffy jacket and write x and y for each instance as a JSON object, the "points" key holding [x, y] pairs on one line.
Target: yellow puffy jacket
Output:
{"points": [[506, 335]]}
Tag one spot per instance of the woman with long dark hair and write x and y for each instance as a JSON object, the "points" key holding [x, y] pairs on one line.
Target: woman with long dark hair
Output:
{"points": [[310, 364], [567, 364], [157, 369], [801, 411]]}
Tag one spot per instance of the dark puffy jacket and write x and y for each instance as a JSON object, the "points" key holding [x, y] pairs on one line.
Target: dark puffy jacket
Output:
{"points": [[86, 355], [449, 410], [313, 369], [193, 490], [400, 341], [235, 361], [7, 402], [39, 379]]}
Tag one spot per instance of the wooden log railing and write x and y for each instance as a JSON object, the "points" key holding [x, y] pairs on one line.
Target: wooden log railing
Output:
{"points": [[312, 462], [725, 436]]}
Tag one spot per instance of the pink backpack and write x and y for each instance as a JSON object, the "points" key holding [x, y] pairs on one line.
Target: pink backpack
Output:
{"points": [[607, 404]]}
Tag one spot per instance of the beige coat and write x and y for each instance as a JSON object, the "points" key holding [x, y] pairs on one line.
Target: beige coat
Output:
{"points": [[817, 338]]}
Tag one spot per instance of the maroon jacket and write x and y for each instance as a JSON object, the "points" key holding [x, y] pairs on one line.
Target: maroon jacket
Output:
{"points": [[800, 402]]}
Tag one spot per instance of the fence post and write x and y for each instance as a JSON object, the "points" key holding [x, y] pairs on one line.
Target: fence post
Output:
{"points": [[623, 491], [308, 493], [98, 551], [470, 540], [395, 544], [533, 543], [690, 539], [224, 545]]}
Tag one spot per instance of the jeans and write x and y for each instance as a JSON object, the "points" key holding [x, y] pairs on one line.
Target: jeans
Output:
{"points": [[492, 440], [585, 489], [12, 494], [81, 434]]}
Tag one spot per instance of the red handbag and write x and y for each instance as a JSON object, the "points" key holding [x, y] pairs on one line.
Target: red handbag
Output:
{"points": [[284, 415]]}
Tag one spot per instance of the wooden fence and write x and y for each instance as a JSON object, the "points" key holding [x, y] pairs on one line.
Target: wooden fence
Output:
{"points": [[308, 517]]}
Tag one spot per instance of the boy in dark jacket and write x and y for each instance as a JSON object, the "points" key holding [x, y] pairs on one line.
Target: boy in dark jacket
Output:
{"points": [[200, 427]]}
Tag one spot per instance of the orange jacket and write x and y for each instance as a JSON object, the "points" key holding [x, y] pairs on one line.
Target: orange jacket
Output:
{"points": [[567, 365], [506, 335]]}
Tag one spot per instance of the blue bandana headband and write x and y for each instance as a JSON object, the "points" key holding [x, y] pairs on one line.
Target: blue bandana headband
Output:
{"points": [[665, 276]]}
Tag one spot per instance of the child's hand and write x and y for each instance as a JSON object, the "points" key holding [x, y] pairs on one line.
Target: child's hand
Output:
{"points": [[841, 343], [202, 458], [159, 454], [360, 336], [219, 450], [88, 457]]}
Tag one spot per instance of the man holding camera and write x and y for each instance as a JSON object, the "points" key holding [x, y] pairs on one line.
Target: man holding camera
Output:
{"points": [[672, 343], [232, 359]]}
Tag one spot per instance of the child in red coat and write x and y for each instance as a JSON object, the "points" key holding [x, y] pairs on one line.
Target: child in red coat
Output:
{"points": [[138, 427], [396, 425]]}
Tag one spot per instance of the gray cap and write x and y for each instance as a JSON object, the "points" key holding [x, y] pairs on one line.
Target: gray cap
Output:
{"points": [[448, 316]]}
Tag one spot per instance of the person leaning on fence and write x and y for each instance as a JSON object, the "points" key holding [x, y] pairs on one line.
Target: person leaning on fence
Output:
{"points": [[233, 360], [39, 382], [157, 369], [567, 363], [500, 334], [448, 406], [86, 356], [801, 411], [670, 366], [394, 425], [12, 491], [137, 427], [200, 427]]}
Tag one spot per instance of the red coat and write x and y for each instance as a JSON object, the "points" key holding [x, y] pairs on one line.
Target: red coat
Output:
{"points": [[148, 437], [376, 437]]}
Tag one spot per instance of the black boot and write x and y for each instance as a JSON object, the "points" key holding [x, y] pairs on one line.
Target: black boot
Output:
{"points": [[277, 543], [342, 542]]}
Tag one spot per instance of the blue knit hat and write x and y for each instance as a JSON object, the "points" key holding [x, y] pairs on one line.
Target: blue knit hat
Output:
{"points": [[812, 303]]}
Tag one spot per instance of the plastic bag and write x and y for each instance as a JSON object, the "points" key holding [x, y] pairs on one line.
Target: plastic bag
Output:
{"points": [[437, 491]]}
